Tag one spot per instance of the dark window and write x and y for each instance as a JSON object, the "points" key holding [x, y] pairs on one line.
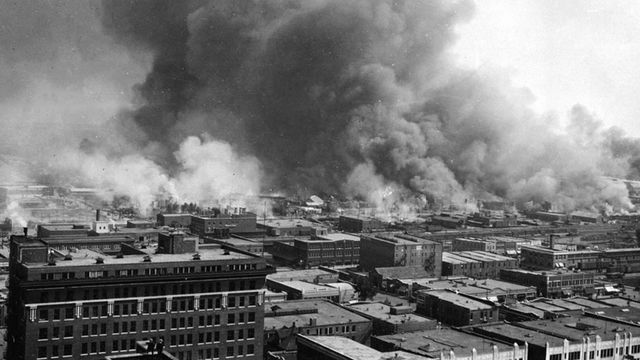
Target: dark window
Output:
{"points": [[230, 350], [67, 350], [43, 333], [68, 331], [42, 351]]}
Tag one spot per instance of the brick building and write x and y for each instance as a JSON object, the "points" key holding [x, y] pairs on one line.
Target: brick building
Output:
{"points": [[454, 309], [557, 283], [204, 304], [389, 249], [343, 250]]}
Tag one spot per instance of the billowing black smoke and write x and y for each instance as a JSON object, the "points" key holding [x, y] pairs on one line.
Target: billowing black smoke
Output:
{"points": [[359, 98]]}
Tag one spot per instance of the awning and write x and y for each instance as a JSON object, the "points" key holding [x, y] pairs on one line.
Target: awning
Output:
{"points": [[609, 288], [567, 292]]}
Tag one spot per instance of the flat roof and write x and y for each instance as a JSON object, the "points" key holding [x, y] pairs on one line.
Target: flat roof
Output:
{"points": [[383, 312], [85, 257], [619, 313], [522, 307], [484, 256], [519, 334], [346, 347], [288, 223], [588, 303], [324, 313], [574, 328], [307, 287], [399, 238], [459, 300], [292, 274], [338, 236], [432, 342], [454, 258]]}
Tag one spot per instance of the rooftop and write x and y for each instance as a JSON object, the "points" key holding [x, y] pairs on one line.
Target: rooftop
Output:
{"points": [[521, 334], [575, 327], [345, 348], [454, 258], [483, 256], [403, 272], [383, 312], [432, 342], [459, 300], [85, 257], [306, 287], [338, 236], [324, 313], [288, 223], [297, 274]]}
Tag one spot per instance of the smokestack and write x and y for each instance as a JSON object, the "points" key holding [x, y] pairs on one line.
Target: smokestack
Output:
{"points": [[26, 230], [551, 241], [97, 214]]}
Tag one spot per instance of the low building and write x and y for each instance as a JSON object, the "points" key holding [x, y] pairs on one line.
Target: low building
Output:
{"points": [[238, 242], [181, 221], [578, 337], [557, 283], [292, 227], [482, 264], [316, 276], [392, 319], [393, 279], [140, 224], [284, 320], [434, 343], [358, 224], [297, 290], [454, 309], [473, 244], [486, 289], [449, 222], [340, 348]]}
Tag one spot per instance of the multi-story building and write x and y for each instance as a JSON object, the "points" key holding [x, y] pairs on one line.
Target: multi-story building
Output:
{"points": [[476, 264], [389, 249], [454, 309], [284, 320], [622, 260], [174, 220], [358, 224], [203, 303], [343, 250], [557, 283], [223, 225]]}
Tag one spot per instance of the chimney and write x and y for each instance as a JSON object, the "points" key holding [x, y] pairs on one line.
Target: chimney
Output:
{"points": [[97, 214], [551, 241], [26, 230]]}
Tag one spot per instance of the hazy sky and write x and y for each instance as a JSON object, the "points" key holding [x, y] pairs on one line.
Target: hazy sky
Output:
{"points": [[566, 52]]}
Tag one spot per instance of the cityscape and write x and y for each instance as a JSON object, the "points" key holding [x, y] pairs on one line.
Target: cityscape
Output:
{"points": [[318, 180]]}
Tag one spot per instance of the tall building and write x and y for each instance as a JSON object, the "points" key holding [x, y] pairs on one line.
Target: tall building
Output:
{"points": [[202, 303]]}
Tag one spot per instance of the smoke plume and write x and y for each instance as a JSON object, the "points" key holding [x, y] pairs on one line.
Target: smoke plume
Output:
{"points": [[360, 99]]}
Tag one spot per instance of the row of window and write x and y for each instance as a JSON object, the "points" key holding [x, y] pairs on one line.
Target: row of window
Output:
{"points": [[148, 271], [604, 353], [152, 306], [124, 327], [154, 290]]}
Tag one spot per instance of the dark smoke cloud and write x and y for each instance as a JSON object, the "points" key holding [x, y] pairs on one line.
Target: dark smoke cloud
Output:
{"points": [[359, 98]]}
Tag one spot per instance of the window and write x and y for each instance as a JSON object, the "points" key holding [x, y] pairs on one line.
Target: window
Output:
{"points": [[231, 318], [43, 333], [575, 355], [250, 349], [252, 316], [251, 333], [85, 348], [42, 351], [67, 350], [230, 350], [68, 331], [606, 353], [555, 357], [43, 314], [230, 335]]}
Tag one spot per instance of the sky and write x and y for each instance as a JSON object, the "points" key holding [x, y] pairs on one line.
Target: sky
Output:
{"points": [[566, 52]]}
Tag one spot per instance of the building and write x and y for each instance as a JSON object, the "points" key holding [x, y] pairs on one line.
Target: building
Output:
{"points": [[181, 221], [341, 348], [434, 343], [480, 264], [292, 227], [396, 249], [297, 290], [556, 283], [454, 309], [486, 289], [223, 225], [449, 222], [238, 242], [203, 304], [611, 260], [329, 251], [471, 244], [578, 337], [392, 319], [283, 321], [358, 224], [316, 276]]}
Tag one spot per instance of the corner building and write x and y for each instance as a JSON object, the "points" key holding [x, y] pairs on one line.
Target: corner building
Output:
{"points": [[203, 304]]}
